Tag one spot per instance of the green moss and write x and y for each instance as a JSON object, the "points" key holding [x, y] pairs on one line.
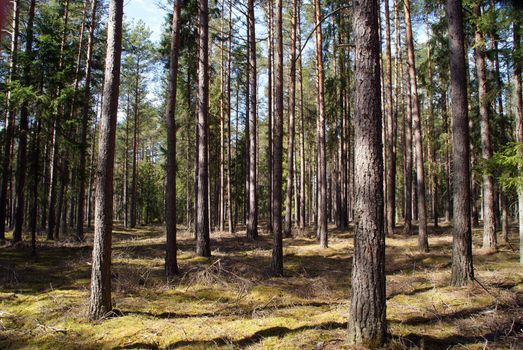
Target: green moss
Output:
{"points": [[233, 302]]}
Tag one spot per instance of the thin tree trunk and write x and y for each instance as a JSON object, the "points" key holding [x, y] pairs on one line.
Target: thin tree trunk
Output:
{"points": [[302, 211], [322, 162], [519, 119], [292, 111], [203, 247], [229, 166], [462, 269], [10, 121], [136, 126], [423, 242], [85, 124], [431, 153], [367, 316], [277, 251], [53, 181], [171, 265], [270, 91], [221, 199], [489, 226], [252, 224], [391, 156], [35, 153], [22, 142], [446, 126]]}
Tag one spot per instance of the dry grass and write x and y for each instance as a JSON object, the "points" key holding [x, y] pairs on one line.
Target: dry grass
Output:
{"points": [[230, 300]]}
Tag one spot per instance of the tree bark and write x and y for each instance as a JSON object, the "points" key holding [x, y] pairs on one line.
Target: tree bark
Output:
{"points": [[519, 119], [229, 92], [270, 105], [367, 316], [432, 136], [423, 242], [322, 162], [391, 155], [11, 114], [221, 199], [53, 181], [462, 268], [252, 224], [22, 141], [100, 300], [203, 247], [171, 265], [136, 126], [292, 111], [489, 226], [302, 211], [85, 124], [277, 250]]}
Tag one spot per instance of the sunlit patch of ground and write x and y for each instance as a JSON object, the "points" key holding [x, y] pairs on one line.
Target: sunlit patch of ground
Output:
{"points": [[231, 301]]}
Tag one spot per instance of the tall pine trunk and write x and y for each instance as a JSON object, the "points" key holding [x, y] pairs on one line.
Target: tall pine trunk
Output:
{"points": [[22, 141], [11, 114], [85, 124], [277, 250], [489, 226], [367, 317], [302, 210], [390, 151], [252, 224], [462, 269], [423, 242], [203, 247], [100, 301], [519, 119], [171, 265], [322, 161]]}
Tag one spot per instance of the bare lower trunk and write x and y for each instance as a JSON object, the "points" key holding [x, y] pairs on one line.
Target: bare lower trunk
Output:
{"points": [[292, 112], [423, 242], [171, 265], [391, 156], [252, 224], [277, 251], [84, 126], [10, 121], [22, 141], [462, 269], [367, 316], [100, 300], [322, 161], [203, 247]]}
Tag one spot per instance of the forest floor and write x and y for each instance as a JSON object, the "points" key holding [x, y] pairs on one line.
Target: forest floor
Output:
{"points": [[231, 301]]}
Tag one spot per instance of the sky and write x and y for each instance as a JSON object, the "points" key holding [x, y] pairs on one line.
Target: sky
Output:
{"points": [[149, 11]]}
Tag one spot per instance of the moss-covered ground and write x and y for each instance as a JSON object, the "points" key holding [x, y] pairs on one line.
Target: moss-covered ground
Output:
{"points": [[230, 300]]}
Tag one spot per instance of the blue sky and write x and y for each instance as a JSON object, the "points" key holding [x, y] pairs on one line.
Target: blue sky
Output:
{"points": [[149, 11]]}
